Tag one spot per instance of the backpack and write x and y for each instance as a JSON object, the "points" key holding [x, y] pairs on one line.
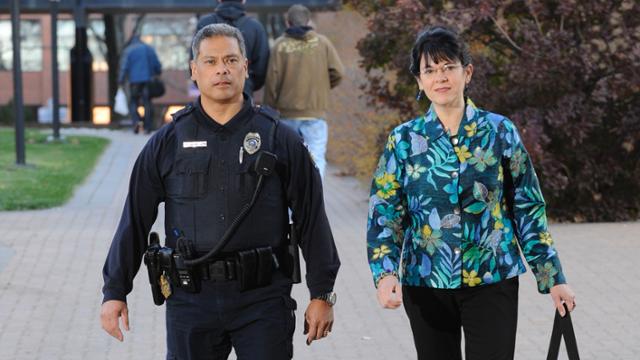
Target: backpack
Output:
{"points": [[236, 23]]}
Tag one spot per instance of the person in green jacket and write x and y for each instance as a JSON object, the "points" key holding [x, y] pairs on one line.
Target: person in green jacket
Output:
{"points": [[303, 67]]}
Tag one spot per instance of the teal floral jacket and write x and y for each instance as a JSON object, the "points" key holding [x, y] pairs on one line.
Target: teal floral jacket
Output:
{"points": [[454, 212]]}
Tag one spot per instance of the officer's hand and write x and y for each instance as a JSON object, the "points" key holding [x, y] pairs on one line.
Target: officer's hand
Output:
{"points": [[389, 292], [318, 320], [563, 294], [109, 316]]}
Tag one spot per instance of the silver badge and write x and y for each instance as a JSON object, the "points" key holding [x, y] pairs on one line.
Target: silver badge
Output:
{"points": [[252, 143]]}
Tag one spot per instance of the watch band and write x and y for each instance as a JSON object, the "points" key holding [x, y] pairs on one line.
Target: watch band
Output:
{"points": [[329, 298]]}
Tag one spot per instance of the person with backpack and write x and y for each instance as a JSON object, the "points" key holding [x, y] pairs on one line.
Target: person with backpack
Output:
{"points": [[233, 12], [139, 64]]}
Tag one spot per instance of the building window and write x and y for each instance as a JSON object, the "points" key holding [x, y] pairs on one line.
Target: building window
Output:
{"points": [[30, 45], [98, 48], [66, 39], [171, 38]]}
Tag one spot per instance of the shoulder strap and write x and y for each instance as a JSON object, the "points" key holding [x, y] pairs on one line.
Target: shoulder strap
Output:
{"points": [[274, 116], [182, 112], [149, 54]]}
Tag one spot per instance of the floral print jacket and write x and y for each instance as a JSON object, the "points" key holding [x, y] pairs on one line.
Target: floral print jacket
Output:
{"points": [[454, 212]]}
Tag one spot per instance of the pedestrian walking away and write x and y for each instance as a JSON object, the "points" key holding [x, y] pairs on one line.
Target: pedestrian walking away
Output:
{"points": [[227, 173], [454, 202], [138, 65]]}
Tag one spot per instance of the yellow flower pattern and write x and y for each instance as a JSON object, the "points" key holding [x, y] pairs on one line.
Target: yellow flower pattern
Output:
{"points": [[471, 129], [462, 152], [387, 185], [470, 278], [380, 252], [545, 238]]}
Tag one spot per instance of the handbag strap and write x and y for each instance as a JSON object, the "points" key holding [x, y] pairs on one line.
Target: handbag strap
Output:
{"points": [[148, 55], [562, 326]]}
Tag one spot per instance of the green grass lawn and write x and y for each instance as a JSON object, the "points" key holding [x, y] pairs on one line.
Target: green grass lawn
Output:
{"points": [[53, 169]]}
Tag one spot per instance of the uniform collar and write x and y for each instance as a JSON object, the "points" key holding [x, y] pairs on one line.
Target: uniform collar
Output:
{"points": [[433, 126], [236, 122]]}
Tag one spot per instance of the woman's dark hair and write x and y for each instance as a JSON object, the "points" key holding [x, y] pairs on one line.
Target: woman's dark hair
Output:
{"points": [[440, 44]]}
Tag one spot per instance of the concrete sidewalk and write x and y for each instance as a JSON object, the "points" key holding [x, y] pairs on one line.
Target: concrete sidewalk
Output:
{"points": [[51, 261]]}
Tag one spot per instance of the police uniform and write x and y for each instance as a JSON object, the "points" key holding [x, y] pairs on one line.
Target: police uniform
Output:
{"points": [[203, 172]]}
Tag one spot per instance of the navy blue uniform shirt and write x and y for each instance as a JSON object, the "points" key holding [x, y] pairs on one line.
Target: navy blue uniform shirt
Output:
{"points": [[220, 183]]}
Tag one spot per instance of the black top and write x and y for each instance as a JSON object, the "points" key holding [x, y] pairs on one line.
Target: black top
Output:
{"points": [[218, 185], [255, 38]]}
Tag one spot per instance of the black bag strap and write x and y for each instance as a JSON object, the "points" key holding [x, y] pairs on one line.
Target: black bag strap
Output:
{"points": [[147, 53], [562, 326]]}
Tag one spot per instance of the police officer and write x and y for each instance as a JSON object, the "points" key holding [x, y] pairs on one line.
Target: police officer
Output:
{"points": [[203, 167]]}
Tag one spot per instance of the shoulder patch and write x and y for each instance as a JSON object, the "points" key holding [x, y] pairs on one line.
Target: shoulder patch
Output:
{"points": [[182, 112]]}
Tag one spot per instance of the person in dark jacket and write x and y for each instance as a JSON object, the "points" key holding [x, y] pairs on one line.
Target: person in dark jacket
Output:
{"points": [[139, 64], [232, 12]]}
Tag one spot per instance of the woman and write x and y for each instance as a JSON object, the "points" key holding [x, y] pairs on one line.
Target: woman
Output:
{"points": [[453, 196]]}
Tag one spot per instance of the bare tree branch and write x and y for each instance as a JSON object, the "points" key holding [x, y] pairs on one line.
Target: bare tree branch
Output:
{"points": [[504, 33], [138, 26]]}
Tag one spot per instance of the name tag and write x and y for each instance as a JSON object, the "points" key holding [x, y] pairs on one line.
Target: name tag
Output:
{"points": [[194, 144]]}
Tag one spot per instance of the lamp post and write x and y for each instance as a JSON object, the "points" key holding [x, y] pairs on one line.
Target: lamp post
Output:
{"points": [[17, 82], [55, 91]]}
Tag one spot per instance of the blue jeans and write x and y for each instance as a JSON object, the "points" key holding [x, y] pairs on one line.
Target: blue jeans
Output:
{"points": [[315, 133]]}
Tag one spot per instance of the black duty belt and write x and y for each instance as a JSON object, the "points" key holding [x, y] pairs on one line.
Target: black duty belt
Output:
{"points": [[226, 267], [219, 270]]}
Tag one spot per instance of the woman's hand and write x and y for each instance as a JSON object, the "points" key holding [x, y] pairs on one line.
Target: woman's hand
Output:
{"points": [[389, 292], [562, 294]]}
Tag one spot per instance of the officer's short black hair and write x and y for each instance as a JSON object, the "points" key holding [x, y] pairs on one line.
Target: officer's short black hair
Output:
{"points": [[217, 30], [438, 43]]}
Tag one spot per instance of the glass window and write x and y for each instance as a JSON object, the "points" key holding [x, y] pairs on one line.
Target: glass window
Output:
{"points": [[171, 38], [30, 45], [66, 40], [98, 48]]}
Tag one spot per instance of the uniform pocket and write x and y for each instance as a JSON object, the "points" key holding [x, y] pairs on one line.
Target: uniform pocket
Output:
{"points": [[190, 178], [247, 179]]}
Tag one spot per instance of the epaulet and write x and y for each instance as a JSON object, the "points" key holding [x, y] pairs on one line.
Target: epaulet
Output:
{"points": [[182, 112], [268, 112]]}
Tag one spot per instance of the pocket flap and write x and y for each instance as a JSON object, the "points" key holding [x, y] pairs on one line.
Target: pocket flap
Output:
{"points": [[193, 163]]}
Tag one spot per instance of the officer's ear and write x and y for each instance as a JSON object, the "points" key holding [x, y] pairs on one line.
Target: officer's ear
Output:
{"points": [[192, 65]]}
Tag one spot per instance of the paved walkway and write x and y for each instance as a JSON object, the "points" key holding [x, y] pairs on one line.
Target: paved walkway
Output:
{"points": [[50, 280]]}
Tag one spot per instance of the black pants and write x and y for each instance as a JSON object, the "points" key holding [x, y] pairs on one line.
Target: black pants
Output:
{"points": [[488, 315], [257, 323], [140, 92]]}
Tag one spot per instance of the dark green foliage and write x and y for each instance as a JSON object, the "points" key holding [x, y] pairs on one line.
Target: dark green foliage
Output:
{"points": [[7, 114], [566, 72]]}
